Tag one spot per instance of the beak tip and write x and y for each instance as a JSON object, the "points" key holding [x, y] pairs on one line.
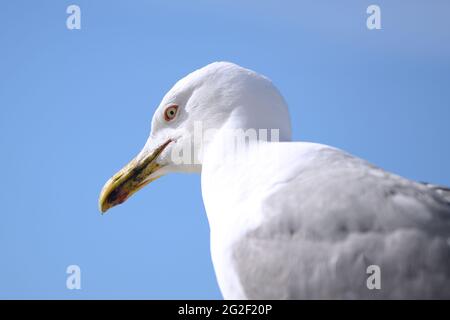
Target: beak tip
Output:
{"points": [[103, 206], [103, 200]]}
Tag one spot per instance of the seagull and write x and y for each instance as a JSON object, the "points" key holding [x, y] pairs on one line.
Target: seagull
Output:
{"points": [[290, 220]]}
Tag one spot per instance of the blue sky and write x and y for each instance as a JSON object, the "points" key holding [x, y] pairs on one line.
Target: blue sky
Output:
{"points": [[76, 105]]}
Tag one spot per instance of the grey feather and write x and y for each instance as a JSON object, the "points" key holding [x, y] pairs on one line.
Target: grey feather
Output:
{"points": [[323, 225]]}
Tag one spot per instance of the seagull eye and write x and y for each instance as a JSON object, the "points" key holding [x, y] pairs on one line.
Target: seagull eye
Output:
{"points": [[170, 112]]}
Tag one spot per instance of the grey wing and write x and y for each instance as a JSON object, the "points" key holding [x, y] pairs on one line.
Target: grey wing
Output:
{"points": [[443, 191], [345, 216]]}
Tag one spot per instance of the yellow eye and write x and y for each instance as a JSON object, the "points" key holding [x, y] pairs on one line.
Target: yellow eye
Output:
{"points": [[170, 112]]}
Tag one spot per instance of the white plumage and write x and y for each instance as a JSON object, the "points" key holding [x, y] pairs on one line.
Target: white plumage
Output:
{"points": [[296, 220]]}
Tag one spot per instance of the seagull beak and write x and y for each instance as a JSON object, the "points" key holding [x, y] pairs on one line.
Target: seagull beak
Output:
{"points": [[130, 179]]}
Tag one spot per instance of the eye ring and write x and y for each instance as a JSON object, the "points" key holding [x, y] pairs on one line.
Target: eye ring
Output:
{"points": [[170, 112]]}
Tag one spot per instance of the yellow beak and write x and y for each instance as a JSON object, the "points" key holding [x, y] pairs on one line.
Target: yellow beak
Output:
{"points": [[130, 179]]}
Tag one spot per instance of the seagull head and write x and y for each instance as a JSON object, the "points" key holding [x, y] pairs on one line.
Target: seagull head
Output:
{"points": [[219, 95]]}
